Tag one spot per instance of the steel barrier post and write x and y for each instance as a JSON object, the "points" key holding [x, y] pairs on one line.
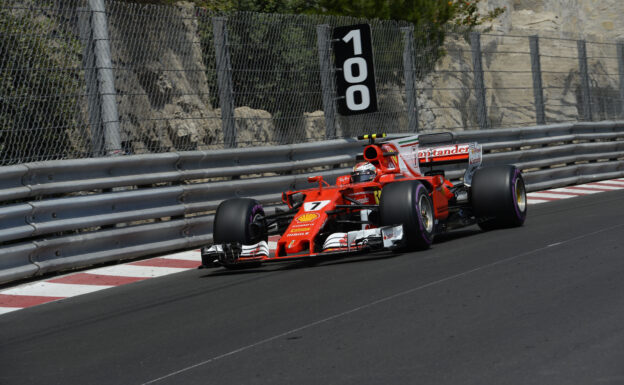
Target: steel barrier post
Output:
{"points": [[224, 80], [585, 88], [323, 38], [536, 69], [408, 70], [479, 86]]}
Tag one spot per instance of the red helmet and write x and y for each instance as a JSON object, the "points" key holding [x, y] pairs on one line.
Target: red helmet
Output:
{"points": [[363, 172]]}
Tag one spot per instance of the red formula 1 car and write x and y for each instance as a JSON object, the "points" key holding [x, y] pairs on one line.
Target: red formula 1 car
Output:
{"points": [[398, 198]]}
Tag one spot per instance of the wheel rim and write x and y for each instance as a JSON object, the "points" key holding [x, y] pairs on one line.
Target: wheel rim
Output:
{"points": [[255, 228], [520, 194], [426, 213]]}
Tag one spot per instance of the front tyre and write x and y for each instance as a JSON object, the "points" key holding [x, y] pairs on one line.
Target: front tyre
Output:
{"points": [[499, 197], [239, 220], [409, 204]]}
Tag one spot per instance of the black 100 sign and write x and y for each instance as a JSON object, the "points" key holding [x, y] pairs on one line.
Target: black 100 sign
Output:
{"points": [[355, 74]]}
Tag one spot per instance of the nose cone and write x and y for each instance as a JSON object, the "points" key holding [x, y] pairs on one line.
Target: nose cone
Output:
{"points": [[293, 246]]}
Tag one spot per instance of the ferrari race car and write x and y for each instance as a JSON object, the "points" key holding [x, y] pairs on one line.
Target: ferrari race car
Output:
{"points": [[397, 198]]}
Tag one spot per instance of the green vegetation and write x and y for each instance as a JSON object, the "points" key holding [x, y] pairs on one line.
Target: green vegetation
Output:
{"points": [[419, 12], [38, 98]]}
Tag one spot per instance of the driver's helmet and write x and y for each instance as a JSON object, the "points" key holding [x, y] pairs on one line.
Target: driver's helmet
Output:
{"points": [[363, 172]]}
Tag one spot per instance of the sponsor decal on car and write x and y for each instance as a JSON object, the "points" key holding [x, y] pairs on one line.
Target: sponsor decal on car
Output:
{"points": [[299, 231], [443, 151], [364, 197], [475, 154], [308, 217]]}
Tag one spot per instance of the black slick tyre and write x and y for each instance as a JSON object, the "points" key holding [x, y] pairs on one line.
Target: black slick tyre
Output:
{"points": [[409, 204], [499, 197], [239, 220]]}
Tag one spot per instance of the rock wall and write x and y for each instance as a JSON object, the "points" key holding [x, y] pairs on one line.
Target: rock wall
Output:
{"points": [[590, 19], [164, 100], [446, 98]]}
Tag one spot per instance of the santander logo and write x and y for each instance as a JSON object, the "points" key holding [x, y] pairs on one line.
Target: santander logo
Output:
{"points": [[436, 152]]}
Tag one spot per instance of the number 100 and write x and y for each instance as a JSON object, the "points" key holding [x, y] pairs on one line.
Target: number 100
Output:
{"points": [[362, 70]]}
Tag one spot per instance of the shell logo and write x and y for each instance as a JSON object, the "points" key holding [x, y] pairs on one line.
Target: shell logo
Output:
{"points": [[309, 217]]}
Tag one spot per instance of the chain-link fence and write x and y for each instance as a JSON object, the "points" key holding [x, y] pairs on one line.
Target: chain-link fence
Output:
{"points": [[87, 78]]}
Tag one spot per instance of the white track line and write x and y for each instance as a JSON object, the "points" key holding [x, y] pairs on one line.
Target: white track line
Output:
{"points": [[137, 271], [194, 255], [577, 191], [546, 194], [533, 201], [4, 310], [49, 289], [608, 184]]}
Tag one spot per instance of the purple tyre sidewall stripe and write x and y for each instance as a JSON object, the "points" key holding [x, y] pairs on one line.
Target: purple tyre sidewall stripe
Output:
{"points": [[421, 224], [257, 209]]}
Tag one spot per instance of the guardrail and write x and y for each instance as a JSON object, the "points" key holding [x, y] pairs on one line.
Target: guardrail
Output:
{"points": [[59, 215]]}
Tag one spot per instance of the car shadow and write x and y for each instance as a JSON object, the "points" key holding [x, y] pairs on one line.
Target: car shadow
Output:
{"points": [[456, 234], [337, 259]]}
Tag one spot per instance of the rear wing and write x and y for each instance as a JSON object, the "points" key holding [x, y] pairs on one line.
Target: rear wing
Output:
{"points": [[414, 152]]}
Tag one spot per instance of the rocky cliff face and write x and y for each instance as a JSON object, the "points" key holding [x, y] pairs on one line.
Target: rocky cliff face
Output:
{"points": [[591, 19], [164, 98], [447, 99]]}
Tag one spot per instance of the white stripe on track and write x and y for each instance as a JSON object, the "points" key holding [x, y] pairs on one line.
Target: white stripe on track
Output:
{"points": [[533, 201], [186, 256], [49, 289], [603, 187], [545, 194], [572, 190], [137, 271], [606, 183], [4, 310]]}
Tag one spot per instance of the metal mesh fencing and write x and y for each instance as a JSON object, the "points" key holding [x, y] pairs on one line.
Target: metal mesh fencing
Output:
{"points": [[89, 78], [42, 87]]}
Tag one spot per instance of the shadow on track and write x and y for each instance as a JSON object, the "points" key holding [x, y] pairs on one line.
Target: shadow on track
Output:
{"points": [[331, 260]]}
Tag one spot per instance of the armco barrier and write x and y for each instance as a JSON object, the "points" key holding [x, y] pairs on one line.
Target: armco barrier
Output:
{"points": [[61, 215]]}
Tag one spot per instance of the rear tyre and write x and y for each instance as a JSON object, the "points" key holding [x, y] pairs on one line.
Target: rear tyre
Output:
{"points": [[499, 197], [408, 204]]}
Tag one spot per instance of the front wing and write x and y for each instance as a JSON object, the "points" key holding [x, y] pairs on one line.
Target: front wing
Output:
{"points": [[386, 237]]}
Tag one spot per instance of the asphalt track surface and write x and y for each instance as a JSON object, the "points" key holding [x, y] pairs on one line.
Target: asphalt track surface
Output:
{"points": [[541, 304]]}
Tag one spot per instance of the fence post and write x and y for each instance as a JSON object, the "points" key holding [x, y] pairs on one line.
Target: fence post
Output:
{"points": [[479, 86], [620, 55], [106, 81], [88, 63], [536, 69], [224, 80], [323, 38], [584, 72], [408, 69]]}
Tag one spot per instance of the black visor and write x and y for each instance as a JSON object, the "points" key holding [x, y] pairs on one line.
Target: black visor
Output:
{"points": [[362, 176]]}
